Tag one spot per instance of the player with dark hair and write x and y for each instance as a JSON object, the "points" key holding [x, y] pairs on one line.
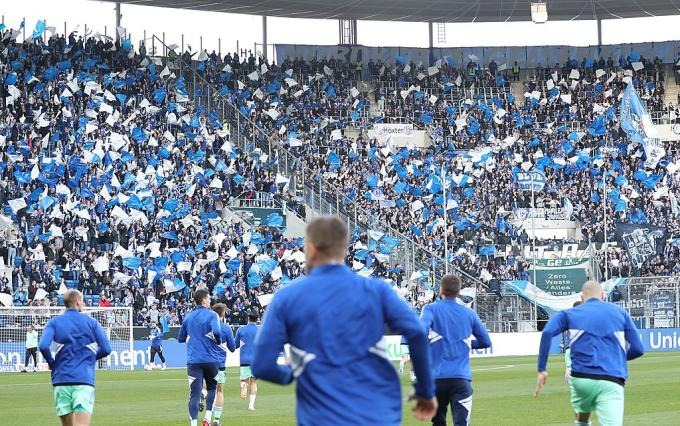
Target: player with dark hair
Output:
{"points": [[201, 332], [245, 339], [31, 348], [334, 321], [450, 324], [228, 344], [156, 337]]}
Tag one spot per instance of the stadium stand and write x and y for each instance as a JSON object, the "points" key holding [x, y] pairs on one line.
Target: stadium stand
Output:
{"points": [[119, 169]]}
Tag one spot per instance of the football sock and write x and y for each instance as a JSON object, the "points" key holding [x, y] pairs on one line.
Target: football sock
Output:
{"points": [[252, 401]]}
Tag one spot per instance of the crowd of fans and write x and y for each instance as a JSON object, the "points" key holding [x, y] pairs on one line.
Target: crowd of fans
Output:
{"points": [[116, 183]]}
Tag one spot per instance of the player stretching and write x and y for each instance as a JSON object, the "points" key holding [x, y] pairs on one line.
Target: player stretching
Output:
{"points": [[156, 337], [227, 344], [201, 332], [31, 348], [334, 320], [245, 338], [599, 333], [450, 326], [80, 343]]}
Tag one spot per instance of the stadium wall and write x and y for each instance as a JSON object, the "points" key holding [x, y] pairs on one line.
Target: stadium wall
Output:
{"points": [[504, 344], [526, 56]]}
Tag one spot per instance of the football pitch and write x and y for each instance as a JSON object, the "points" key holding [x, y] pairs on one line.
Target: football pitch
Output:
{"points": [[503, 388]]}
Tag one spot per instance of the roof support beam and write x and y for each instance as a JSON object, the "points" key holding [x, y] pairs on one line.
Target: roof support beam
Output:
{"points": [[264, 37], [347, 31], [599, 34], [118, 19]]}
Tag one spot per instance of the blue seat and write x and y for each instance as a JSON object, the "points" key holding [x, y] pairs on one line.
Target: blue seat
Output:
{"points": [[95, 300], [71, 284], [60, 300]]}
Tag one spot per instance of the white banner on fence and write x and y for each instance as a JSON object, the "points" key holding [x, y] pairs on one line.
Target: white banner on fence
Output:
{"points": [[385, 132]]}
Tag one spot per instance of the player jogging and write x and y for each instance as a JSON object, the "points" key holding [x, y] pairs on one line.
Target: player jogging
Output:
{"points": [[245, 339], [31, 348], [80, 343], [334, 320], [602, 337], [228, 344], [201, 332], [451, 325], [156, 337]]}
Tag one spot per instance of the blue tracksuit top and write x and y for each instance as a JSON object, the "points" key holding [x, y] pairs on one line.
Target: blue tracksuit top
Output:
{"points": [[156, 337], [80, 342], [201, 332], [334, 321], [602, 337], [245, 339], [451, 326], [226, 345]]}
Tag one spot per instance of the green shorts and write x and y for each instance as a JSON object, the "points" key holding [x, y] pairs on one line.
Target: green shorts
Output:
{"points": [[221, 377], [603, 397], [246, 373], [73, 399]]}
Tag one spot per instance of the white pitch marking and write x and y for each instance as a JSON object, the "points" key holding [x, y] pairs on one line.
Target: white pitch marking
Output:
{"points": [[502, 367]]}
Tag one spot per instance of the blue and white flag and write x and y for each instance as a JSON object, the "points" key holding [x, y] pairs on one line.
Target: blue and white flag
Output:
{"points": [[637, 123], [533, 180]]}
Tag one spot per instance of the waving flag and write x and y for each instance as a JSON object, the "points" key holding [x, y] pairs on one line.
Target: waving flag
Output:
{"points": [[637, 123]]}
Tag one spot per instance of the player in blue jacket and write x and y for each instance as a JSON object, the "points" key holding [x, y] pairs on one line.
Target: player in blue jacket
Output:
{"points": [[334, 321], [245, 339], [602, 338], [80, 343], [451, 325], [156, 337], [227, 344], [201, 332]]}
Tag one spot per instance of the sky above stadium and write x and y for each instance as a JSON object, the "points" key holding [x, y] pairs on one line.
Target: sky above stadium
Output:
{"points": [[224, 30]]}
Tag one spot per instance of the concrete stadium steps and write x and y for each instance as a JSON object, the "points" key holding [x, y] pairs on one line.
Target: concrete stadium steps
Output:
{"points": [[672, 88]]}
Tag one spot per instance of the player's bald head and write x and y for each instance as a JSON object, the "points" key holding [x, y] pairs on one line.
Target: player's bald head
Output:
{"points": [[72, 298], [592, 289], [329, 237]]}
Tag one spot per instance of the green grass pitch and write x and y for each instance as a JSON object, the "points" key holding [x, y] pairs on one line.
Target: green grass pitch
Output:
{"points": [[503, 388]]}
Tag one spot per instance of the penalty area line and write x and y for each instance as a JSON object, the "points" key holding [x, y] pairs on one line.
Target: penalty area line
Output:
{"points": [[501, 367]]}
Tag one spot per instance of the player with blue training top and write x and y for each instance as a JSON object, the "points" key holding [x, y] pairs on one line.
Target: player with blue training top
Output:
{"points": [[227, 344], [201, 332], [451, 326], [245, 339], [334, 321], [156, 337], [602, 338], [80, 342]]}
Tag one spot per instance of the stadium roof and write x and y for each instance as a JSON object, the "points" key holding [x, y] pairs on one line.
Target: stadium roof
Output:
{"points": [[427, 10]]}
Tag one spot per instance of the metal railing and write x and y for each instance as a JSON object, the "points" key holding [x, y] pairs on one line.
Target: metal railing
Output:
{"points": [[319, 195]]}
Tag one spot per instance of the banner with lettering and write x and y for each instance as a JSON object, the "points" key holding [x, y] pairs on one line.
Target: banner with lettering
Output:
{"points": [[552, 303], [561, 277]]}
